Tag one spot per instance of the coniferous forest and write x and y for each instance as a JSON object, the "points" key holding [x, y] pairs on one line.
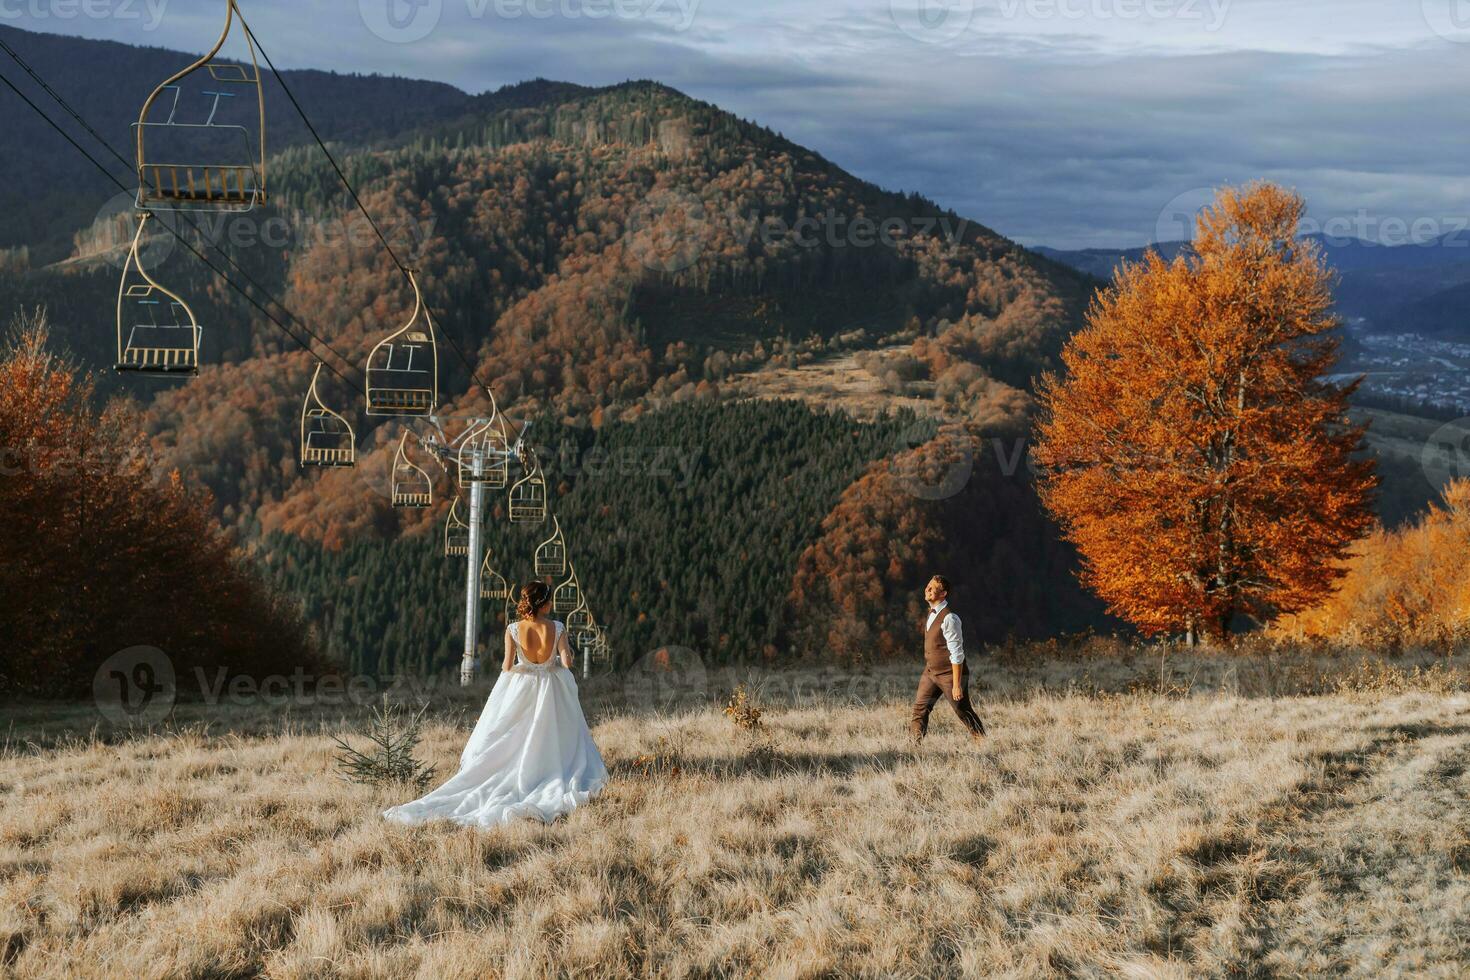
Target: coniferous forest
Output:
{"points": [[685, 527]]}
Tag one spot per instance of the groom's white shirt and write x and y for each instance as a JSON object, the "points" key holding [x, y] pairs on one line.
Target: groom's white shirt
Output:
{"points": [[954, 636]]}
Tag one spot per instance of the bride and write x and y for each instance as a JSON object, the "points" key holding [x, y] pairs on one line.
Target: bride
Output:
{"points": [[530, 754]]}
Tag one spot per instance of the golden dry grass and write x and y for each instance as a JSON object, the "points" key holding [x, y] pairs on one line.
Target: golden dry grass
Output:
{"points": [[1189, 825], [835, 381]]}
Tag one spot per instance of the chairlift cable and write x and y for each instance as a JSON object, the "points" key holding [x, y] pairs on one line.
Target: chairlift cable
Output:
{"points": [[35, 76], [330, 158], [173, 231], [474, 374], [215, 245], [229, 259]]}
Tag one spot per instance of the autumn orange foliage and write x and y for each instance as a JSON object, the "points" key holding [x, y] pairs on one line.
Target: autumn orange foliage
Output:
{"points": [[100, 551], [1407, 586], [1191, 451]]}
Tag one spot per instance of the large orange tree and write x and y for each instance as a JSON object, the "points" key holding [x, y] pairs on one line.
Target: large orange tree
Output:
{"points": [[1192, 449]]}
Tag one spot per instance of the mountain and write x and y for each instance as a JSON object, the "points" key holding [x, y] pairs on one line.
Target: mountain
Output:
{"points": [[1381, 288], [601, 258], [1443, 314], [1100, 263]]}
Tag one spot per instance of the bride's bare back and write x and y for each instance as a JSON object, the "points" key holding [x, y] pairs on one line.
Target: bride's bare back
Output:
{"points": [[538, 640]]}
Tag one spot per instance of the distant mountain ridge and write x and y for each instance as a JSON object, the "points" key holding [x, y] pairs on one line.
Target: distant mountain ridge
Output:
{"points": [[1408, 288]]}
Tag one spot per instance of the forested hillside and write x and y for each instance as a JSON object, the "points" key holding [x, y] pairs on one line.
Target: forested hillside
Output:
{"points": [[601, 256], [684, 526]]}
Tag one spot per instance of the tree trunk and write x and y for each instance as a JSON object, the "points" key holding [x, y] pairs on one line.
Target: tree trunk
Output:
{"points": [[1222, 627]]}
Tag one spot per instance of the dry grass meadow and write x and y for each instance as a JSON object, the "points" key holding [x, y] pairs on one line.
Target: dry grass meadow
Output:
{"points": [[836, 381], [1130, 815]]}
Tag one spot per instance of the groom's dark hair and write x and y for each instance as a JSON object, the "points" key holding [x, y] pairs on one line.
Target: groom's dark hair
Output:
{"points": [[943, 582]]}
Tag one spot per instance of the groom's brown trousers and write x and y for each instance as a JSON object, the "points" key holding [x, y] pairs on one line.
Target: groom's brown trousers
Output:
{"points": [[937, 682]]}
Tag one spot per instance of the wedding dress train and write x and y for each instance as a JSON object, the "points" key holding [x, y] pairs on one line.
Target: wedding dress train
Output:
{"points": [[530, 754]]}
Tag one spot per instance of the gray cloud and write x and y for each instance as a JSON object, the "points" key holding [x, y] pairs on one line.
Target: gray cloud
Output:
{"points": [[1065, 129]]}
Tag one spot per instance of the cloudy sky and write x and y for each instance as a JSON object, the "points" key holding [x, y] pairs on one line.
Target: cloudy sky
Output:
{"points": [[1061, 122]]}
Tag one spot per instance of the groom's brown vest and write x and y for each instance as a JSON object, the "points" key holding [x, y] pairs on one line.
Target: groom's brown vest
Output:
{"points": [[936, 651]]}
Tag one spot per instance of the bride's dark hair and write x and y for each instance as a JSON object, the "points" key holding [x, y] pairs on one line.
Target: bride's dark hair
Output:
{"points": [[533, 596]]}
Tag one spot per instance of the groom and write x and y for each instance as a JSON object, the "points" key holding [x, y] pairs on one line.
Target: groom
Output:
{"points": [[945, 674]]}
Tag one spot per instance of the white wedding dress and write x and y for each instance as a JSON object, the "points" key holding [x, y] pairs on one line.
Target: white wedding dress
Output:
{"points": [[530, 754]]}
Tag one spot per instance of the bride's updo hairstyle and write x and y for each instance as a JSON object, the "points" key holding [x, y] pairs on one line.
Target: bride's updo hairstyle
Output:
{"points": [[534, 595]]}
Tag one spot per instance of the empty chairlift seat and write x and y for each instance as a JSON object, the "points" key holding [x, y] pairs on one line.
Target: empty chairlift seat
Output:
{"points": [[156, 331], [568, 595], [551, 554], [200, 136], [528, 494], [492, 584], [456, 533], [411, 485], [326, 438], [488, 445], [403, 369]]}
